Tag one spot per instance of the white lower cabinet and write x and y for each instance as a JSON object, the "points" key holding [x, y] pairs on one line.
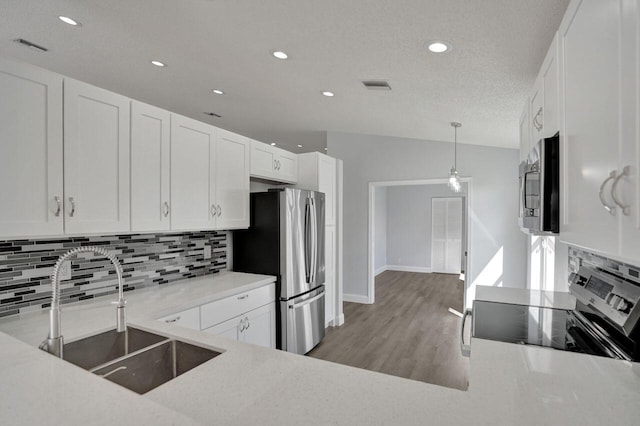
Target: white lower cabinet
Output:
{"points": [[257, 327], [187, 319]]}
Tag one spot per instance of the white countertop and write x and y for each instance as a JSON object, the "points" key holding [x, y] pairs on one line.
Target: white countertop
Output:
{"points": [[522, 296], [509, 384]]}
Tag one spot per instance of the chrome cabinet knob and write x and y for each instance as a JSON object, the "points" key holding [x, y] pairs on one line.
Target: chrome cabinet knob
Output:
{"points": [[73, 206], [59, 206]]}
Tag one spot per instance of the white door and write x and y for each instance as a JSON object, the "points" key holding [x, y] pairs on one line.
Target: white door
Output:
{"points": [[260, 326], [591, 75], [446, 235], [192, 159], [230, 329], [30, 151], [150, 149], [232, 180], [96, 159]]}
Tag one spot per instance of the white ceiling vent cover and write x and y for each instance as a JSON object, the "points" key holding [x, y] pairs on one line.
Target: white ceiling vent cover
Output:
{"points": [[376, 85]]}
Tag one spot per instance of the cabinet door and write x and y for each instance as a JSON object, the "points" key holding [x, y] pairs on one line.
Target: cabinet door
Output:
{"points": [[232, 180], [262, 160], [230, 329], [30, 151], [330, 274], [591, 76], [327, 185], [150, 163], [287, 166], [629, 187], [260, 326], [525, 133], [551, 83], [536, 111], [192, 159], [96, 159]]}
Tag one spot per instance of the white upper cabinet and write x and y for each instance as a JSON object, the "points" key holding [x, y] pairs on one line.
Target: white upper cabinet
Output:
{"points": [[318, 173], [600, 120], [232, 180], [31, 190], [525, 133], [96, 159], [549, 118], [209, 177], [272, 163], [150, 163], [192, 183]]}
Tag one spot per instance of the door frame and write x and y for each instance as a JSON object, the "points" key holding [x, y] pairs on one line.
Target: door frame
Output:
{"points": [[370, 299]]}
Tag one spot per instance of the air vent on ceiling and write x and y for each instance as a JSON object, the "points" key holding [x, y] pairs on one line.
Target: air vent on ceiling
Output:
{"points": [[376, 85], [212, 114], [34, 46]]}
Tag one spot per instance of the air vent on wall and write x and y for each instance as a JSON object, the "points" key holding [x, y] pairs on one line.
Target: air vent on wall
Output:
{"points": [[212, 114], [376, 85], [34, 46]]}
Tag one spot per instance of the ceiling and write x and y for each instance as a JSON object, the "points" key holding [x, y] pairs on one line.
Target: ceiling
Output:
{"points": [[497, 49]]}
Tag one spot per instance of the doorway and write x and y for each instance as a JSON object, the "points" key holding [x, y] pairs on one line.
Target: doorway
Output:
{"points": [[399, 263]]}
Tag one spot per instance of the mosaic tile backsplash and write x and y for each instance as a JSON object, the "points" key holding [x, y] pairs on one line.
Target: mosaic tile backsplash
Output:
{"points": [[147, 260]]}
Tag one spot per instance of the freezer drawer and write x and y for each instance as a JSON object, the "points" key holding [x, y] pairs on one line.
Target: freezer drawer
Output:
{"points": [[303, 321]]}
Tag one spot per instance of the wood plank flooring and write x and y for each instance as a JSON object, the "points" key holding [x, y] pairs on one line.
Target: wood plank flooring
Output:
{"points": [[408, 332]]}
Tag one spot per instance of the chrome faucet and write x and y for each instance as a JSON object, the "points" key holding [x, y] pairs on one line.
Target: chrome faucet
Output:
{"points": [[54, 343]]}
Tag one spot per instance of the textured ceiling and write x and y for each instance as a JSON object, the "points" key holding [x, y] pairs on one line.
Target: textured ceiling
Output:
{"points": [[498, 47]]}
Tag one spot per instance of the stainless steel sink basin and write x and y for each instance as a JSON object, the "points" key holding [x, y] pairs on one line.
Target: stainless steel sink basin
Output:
{"points": [[151, 367], [136, 359], [101, 348]]}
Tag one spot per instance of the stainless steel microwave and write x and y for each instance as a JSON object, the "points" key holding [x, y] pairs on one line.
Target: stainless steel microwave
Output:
{"points": [[540, 188]]}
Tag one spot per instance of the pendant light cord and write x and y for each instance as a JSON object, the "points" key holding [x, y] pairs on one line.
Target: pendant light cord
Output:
{"points": [[455, 148]]}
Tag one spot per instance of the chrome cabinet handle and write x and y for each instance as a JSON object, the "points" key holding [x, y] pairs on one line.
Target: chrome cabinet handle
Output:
{"points": [[275, 164], [465, 350], [607, 207], [242, 327], [73, 206], [214, 211], [173, 319], [166, 209], [219, 210], [626, 171], [244, 296], [537, 124], [248, 323], [57, 213]]}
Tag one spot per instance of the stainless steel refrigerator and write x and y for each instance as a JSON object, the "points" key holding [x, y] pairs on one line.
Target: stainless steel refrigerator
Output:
{"points": [[286, 239]]}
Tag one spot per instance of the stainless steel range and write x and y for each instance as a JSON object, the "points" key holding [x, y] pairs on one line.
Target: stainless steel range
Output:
{"points": [[604, 321]]}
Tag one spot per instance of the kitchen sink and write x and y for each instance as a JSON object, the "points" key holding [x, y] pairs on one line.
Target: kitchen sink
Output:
{"points": [[153, 366], [101, 348], [136, 359]]}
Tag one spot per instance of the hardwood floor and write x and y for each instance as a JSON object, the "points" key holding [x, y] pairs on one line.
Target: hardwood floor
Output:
{"points": [[408, 332]]}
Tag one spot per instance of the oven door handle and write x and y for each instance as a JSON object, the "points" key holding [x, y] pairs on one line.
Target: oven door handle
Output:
{"points": [[465, 350]]}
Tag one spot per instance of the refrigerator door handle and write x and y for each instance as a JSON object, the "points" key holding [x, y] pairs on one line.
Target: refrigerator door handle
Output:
{"points": [[314, 234], [306, 302], [307, 243]]}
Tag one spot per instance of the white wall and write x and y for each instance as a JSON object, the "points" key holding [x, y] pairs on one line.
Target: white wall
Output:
{"points": [[380, 215], [497, 248], [409, 224]]}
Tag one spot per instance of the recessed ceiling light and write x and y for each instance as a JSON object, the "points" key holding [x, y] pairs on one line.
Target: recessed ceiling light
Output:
{"points": [[273, 144], [218, 92], [438, 46], [69, 21], [280, 54], [328, 94], [326, 149], [158, 64], [299, 146]]}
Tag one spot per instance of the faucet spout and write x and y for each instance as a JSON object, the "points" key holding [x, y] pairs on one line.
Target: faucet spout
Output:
{"points": [[55, 342]]}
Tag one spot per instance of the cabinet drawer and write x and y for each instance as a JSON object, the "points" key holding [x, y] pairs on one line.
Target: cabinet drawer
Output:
{"points": [[187, 319], [221, 310]]}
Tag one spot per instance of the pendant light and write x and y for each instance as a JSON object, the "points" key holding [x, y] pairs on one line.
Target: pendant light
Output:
{"points": [[454, 180]]}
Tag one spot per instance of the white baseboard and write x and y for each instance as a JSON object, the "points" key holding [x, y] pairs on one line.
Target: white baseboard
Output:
{"points": [[355, 298], [337, 321], [402, 268], [380, 270]]}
